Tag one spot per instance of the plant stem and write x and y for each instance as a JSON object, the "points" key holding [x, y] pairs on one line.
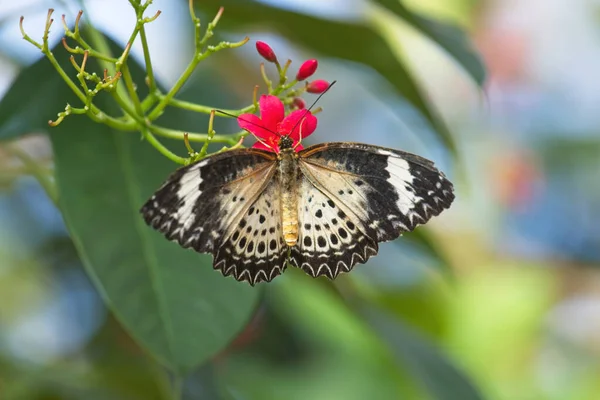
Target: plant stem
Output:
{"points": [[161, 148], [157, 111], [148, 61], [192, 137], [186, 105]]}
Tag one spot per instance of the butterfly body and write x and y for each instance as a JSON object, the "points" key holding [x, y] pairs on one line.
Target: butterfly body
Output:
{"points": [[288, 186], [323, 209]]}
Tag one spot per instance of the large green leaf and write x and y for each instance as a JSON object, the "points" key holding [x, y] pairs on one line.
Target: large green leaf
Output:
{"points": [[450, 37], [344, 40], [168, 298]]}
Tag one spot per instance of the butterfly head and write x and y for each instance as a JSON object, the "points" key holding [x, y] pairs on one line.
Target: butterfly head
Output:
{"points": [[286, 142]]}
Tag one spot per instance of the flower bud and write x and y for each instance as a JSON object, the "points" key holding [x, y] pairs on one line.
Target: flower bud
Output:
{"points": [[307, 69], [299, 103], [318, 86], [266, 51]]}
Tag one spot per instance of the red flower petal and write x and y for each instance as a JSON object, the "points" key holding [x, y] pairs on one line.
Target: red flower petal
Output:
{"points": [[299, 103], [307, 68], [271, 112], [262, 146], [317, 86], [308, 125], [266, 51], [254, 125]]}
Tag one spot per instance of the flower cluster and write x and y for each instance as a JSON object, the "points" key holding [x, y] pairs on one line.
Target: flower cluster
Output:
{"points": [[273, 124]]}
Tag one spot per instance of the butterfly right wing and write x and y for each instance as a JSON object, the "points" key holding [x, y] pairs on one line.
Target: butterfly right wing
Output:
{"points": [[332, 238], [355, 195], [204, 204]]}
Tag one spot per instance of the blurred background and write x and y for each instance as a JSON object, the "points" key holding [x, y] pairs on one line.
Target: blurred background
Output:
{"points": [[498, 298]]}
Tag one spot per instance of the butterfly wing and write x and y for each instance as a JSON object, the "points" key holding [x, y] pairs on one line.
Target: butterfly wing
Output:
{"points": [[204, 204], [255, 250], [331, 238], [380, 192]]}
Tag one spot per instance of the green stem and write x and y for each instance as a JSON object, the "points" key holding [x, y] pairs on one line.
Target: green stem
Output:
{"points": [[129, 112], [192, 137], [148, 61], [65, 77], [149, 101], [161, 148], [94, 112], [186, 105], [101, 44], [157, 111], [128, 79], [103, 118]]}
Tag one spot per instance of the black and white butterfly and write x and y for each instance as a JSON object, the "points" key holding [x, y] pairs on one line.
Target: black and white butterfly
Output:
{"points": [[323, 209]]}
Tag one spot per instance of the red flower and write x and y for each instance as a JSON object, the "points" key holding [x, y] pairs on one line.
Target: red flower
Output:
{"points": [[273, 124], [318, 86], [266, 51], [299, 103], [307, 68]]}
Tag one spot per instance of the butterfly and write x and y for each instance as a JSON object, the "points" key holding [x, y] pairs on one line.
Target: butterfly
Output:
{"points": [[323, 209]]}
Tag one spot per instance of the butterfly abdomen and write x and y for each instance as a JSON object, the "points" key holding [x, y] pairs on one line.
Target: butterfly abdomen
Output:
{"points": [[288, 181]]}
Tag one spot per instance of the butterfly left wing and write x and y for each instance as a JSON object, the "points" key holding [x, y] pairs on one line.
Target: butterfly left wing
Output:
{"points": [[380, 192], [207, 206]]}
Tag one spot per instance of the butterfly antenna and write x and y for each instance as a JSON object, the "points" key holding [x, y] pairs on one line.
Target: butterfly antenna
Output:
{"points": [[311, 106]]}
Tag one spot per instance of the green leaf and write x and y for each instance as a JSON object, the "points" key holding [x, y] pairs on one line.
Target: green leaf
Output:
{"points": [[428, 366], [450, 37], [169, 299], [36, 96], [344, 40]]}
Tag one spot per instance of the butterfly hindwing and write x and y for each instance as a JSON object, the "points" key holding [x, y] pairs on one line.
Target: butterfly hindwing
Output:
{"points": [[390, 191], [332, 239], [255, 250]]}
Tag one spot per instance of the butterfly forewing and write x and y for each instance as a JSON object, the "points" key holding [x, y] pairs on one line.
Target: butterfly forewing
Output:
{"points": [[392, 191], [202, 205]]}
